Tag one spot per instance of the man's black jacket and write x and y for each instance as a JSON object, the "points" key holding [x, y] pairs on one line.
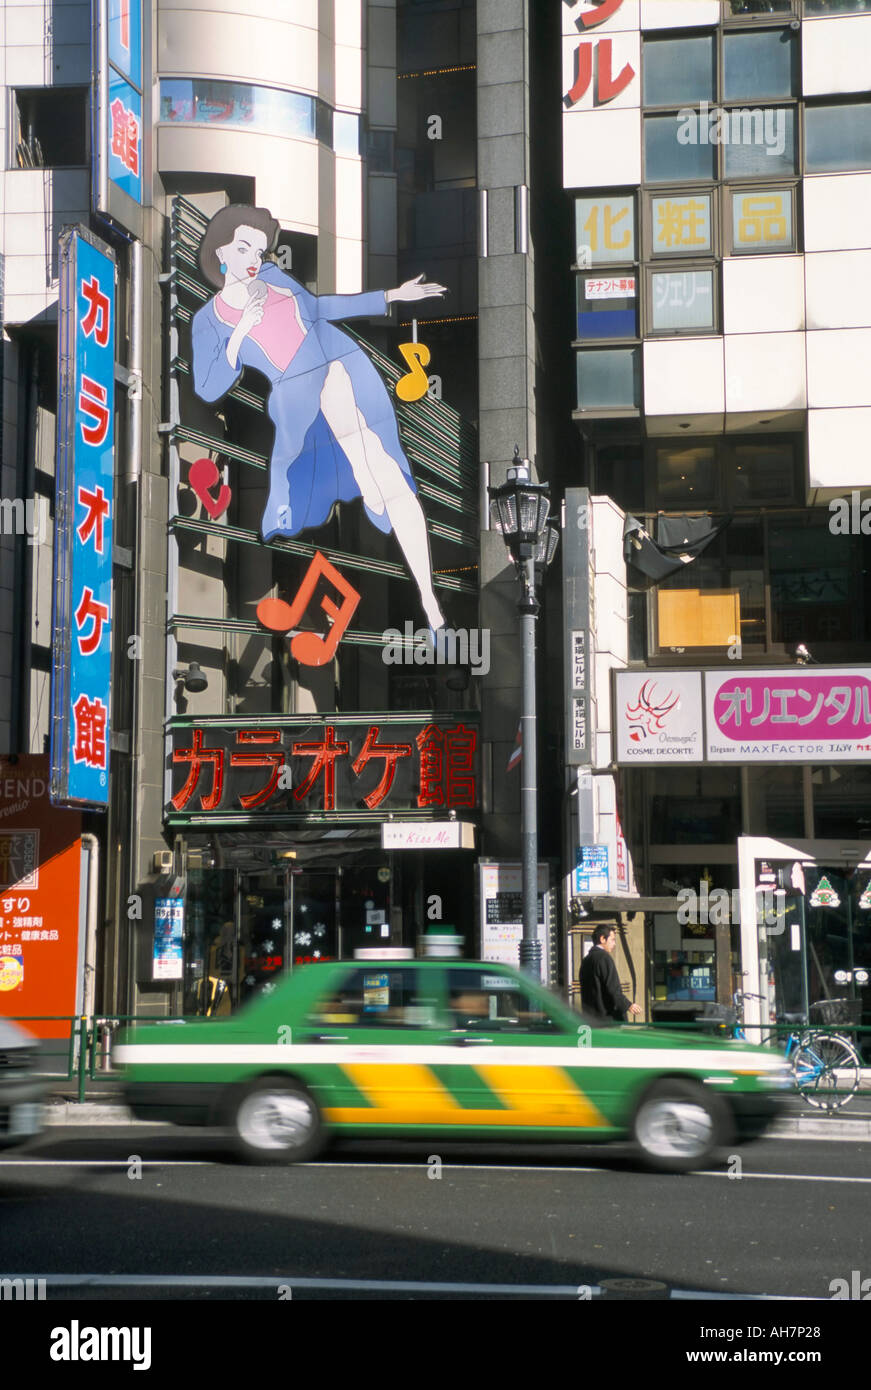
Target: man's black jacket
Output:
{"points": [[601, 996]]}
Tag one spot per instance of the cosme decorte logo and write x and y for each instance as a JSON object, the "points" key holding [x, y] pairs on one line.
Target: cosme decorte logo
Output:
{"points": [[647, 716]]}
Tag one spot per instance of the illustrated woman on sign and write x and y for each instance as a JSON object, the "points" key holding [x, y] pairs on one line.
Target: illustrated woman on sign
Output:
{"points": [[336, 435]]}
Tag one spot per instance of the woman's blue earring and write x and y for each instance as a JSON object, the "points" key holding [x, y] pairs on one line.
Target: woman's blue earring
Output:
{"points": [[222, 268]]}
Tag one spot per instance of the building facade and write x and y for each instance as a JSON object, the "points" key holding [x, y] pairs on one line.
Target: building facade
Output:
{"points": [[718, 160], [310, 631]]}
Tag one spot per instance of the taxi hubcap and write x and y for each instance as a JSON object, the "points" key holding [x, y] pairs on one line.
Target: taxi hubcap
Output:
{"points": [[275, 1120], [674, 1128]]}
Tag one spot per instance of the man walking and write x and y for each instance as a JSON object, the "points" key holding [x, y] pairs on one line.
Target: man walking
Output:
{"points": [[602, 999]]}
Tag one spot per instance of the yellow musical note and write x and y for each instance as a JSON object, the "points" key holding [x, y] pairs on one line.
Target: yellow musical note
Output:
{"points": [[415, 383]]}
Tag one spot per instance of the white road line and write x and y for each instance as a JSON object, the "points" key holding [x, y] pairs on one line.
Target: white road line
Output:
{"points": [[410, 1167]]}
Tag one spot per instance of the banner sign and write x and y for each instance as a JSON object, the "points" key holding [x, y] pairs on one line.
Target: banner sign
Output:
{"points": [[658, 717], [433, 834], [40, 930], [84, 510], [576, 627], [294, 767], [119, 98], [789, 715], [784, 714], [591, 870]]}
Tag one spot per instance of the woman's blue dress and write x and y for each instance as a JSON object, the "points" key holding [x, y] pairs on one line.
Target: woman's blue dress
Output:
{"points": [[309, 471]]}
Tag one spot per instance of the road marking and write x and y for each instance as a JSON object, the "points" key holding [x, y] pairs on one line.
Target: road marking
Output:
{"points": [[410, 1166]]}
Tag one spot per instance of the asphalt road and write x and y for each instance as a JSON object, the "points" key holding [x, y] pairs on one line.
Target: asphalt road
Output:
{"points": [[150, 1212]]}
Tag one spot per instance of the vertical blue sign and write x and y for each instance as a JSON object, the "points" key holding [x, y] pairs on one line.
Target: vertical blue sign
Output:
{"points": [[125, 137], [125, 39], [84, 513]]}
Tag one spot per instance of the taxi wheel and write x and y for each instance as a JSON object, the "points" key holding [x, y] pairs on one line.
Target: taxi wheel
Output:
{"points": [[274, 1121], [678, 1126]]}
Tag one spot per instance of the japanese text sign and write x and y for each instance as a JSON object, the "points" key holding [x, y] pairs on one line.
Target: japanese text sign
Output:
{"points": [[82, 655], [40, 928], [125, 137], [789, 716], [125, 39], [297, 767]]}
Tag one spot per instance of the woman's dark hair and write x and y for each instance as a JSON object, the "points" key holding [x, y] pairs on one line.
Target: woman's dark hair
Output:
{"points": [[222, 229]]}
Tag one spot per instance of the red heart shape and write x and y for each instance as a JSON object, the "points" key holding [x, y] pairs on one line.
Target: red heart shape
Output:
{"points": [[203, 475]]}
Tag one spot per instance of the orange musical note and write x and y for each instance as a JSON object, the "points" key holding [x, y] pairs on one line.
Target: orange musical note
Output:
{"points": [[312, 648], [415, 383]]}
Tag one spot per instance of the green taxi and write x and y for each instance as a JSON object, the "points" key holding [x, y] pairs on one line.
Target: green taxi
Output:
{"points": [[444, 1049]]}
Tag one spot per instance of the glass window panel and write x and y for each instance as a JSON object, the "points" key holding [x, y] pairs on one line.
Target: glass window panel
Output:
{"points": [[609, 380], [681, 224], [607, 306], [762, 473], [672, 151], [682, 299], [493, 1003], [346, 133], [762, 221], [815, 576], [836, 6], [678, 70], [758, 141], [762, 64], [753, 7], [604, 230], [177, 100], [838, 137], [776, 801], [719, 599], [842, 803], [685, 478]]}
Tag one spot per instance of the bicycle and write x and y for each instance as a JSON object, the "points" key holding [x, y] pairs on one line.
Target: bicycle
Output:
{"points": [[826, 1068]]}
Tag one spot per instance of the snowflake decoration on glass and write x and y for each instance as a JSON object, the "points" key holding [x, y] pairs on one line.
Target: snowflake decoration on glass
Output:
{"points": [[303, 938]]}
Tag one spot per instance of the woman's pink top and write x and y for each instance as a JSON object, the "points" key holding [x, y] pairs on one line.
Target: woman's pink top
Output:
{"points": [[278, 334]]}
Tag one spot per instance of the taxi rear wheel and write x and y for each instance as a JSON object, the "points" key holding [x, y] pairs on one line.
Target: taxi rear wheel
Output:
{"points": [[274, 1121], [678, 1126]]}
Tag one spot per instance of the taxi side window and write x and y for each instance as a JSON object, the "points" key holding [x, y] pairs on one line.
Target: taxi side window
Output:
{"points": [[486, 1001], [374, 997]]}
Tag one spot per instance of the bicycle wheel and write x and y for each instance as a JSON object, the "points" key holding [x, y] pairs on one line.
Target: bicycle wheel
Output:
{"points": [[826, 1070]]}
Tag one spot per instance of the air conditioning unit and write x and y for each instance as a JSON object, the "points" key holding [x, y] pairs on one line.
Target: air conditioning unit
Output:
{"points": [[162, 862]]}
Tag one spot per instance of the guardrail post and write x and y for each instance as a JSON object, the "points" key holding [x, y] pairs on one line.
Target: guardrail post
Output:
{"points": [[83, 1046]]}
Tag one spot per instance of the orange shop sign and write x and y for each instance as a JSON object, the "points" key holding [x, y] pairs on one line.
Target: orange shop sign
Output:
{"points": [[40, 929]]}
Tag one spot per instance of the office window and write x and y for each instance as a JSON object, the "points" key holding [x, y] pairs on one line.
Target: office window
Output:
{"points": [[686, 478], [609, 379], [607, 306], [760, 474], [838, 137], [681, 299], [738, 9], [51, 127], [762, 220], [758, 140], [760, 64], [677, 71], [605, 230], [812, 7], [673, 150], [680, 224]]}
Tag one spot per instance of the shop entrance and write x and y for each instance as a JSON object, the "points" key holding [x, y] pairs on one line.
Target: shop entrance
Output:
{"points": [[806, 929]]}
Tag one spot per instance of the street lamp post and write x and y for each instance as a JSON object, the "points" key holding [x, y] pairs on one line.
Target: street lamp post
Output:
{"points": [[519, 509]]}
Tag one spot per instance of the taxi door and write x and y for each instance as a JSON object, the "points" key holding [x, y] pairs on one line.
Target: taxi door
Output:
{"points": [[516, 1067]]}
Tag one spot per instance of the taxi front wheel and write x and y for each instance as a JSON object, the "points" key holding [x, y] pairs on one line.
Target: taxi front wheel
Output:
{"points": [[678, 1126], [274, 1121]]}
